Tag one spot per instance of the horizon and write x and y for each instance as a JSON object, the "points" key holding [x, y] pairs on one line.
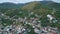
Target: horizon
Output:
{"points": [[22, 1]]}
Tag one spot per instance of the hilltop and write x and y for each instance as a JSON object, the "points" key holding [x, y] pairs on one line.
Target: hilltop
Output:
{"points": [[10, 5], [43, 7], [40, 8]]}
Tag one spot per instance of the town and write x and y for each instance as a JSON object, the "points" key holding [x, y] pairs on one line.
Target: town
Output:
{"points": [[30, 25], [29, 17]]}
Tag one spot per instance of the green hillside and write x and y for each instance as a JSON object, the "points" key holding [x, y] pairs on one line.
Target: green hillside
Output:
{"points": [[37, 8], [43, 9]]}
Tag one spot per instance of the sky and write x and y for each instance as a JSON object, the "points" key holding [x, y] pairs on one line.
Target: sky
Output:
{"points": [[23, 1]]}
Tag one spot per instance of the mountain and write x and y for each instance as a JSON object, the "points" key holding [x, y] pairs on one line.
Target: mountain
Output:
{"points": [[10, 5], [46, 2], [43, 7], [40, 8]]}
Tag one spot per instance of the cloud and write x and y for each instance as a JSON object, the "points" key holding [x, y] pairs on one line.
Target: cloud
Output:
{"points": [[24, 1], [47, 0]]}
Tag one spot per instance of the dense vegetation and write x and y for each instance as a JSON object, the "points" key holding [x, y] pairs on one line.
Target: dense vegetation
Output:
{"points": [[36, 7]]}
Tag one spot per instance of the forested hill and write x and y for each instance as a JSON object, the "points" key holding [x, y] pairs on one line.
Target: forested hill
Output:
{"points": [[43, 7], [15, 11], [11, 5]]}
